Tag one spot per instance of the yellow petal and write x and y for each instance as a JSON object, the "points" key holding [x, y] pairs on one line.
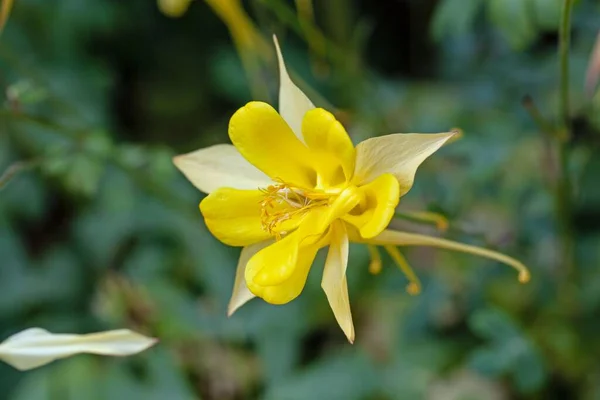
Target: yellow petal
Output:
{"points": [[398, 154], [241, 294], [398, 238], [382, 196], [233, 216], [281, 258], [35, 347], [326, 136], [293, 103], [264, 139], [334, 279], [278, 272], [219, 166]]}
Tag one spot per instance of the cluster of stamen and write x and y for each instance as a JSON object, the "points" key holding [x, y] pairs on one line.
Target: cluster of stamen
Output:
{"points": [[283, 202]]}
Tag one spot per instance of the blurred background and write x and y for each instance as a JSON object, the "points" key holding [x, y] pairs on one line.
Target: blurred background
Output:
{"points": [[98, 230]]}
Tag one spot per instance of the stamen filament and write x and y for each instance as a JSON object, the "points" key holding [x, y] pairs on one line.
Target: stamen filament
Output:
{"points": [[439, 220], [414, 285], [283, 202], [375, 263], [398, 238]]}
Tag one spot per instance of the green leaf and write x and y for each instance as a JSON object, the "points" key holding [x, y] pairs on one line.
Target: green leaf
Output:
{"points": [[84, 175], [490, 361], [493, 324], [512, 18], [546, 13], [343, 377], [454, 17], [529, 371]]}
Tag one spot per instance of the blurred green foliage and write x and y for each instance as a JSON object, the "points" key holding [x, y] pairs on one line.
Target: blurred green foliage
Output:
{"points": [[98, 229]]}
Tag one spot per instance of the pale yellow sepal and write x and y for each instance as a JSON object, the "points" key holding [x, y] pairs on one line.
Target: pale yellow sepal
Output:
{"points": [[293, 103], [334, 279], [398, 154], [219, 166], [35, 347], [397, 238], [241, 294]]}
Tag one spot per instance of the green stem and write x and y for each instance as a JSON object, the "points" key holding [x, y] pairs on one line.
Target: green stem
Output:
{"points": [[15, 169], [534, 112], [564, 46], [563, 187]]}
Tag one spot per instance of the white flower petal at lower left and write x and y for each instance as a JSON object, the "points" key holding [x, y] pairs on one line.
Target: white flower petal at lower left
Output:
{"points": [[35, 347]]}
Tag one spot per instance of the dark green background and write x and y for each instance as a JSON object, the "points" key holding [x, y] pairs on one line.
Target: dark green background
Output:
{"points": [[100, 231]]}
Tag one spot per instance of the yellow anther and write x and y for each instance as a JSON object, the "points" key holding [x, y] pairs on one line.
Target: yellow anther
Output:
{"points": [[413, 289], [375, 263], [283, 202], [524, 276], [414, 286]]}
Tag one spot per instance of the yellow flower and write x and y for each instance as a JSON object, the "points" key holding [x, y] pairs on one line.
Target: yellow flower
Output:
{"points": [[174, 8], [293, 182]]}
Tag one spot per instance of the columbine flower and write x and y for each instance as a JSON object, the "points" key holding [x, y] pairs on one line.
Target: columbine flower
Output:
{"points": [[35, 347], [293, 183]]}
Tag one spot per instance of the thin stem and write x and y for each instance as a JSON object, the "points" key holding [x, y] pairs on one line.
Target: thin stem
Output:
{"points": [[5, 8], [564, 46], [414, 284], [425, 217], [563, 186], [375, 264], [15, 169], [534, 112]]}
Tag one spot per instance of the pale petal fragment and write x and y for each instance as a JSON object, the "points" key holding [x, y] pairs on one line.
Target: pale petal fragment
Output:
{"points": [[241, 294], [399, 154], [398, 238], [219, 166], [293, 103], [35, 347], [334, 279]]}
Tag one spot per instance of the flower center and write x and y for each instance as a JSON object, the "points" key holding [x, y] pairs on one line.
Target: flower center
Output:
{"points": [[284, 202]]}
